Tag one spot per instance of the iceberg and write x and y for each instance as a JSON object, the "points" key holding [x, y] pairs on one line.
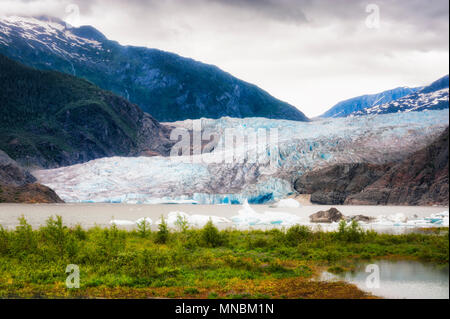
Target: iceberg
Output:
{"points": [[119, 222], [287, 203], [192, 220], [247, 216], [399, 220], [146, 220]]}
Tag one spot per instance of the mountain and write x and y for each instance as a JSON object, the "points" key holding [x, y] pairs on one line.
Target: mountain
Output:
{"points": [[51, 119], [442, 83], [18, 186], [347, 107], [166, 85], [420, 179], [431, 97]]}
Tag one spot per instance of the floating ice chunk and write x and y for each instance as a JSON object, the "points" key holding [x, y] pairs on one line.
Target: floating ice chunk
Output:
{"points": [[202, 220], [147, 220], [388, 220], [399, 220], [172, 218], [247, 216], [119, 222], [193, 220], [443, 214], [280, 218], [287, 203]]}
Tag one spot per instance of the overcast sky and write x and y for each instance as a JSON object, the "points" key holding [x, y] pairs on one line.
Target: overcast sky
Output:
{"points": [[310, 53]]}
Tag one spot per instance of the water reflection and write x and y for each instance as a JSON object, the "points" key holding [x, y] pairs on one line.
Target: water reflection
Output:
{"points": [[400, 279]]}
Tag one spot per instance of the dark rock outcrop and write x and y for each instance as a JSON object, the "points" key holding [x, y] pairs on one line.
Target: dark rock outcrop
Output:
{"points": [[28, 194], [328, 216], [18, 186], [12, 174], [332, 185], [421, 179]]}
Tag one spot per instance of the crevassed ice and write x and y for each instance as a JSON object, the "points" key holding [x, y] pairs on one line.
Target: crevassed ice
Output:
{"points": [[302, 146]]}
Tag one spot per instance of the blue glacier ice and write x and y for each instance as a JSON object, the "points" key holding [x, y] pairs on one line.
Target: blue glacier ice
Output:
{"points": [[302, 147]]}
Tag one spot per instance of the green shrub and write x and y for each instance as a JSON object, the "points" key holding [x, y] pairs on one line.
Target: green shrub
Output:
{"points": [[145, 264], [4, 241], [55, 234], [24, 240], [112, 241], [352, 233], [162, 236], [297, 234], [193, 239], [79, 233], [211, 236], [143, 228], [182, 224]]}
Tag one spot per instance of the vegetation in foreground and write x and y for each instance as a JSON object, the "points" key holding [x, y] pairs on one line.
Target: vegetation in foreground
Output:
{"points": [[196, 263]]}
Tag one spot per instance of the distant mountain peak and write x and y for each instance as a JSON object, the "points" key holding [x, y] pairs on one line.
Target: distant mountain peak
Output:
{"points": [[347, 107], [439, 84], [431, 97]]}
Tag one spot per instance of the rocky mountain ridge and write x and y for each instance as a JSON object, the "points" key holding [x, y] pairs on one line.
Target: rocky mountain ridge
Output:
{"points": [[50, 119], [166, 85]]}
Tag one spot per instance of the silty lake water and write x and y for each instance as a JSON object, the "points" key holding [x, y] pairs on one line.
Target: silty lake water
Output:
{"points": [[90, 215], [400, 280]]}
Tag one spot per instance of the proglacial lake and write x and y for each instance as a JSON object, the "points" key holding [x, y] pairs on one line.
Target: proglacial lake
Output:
{"points": [[90, 215]]}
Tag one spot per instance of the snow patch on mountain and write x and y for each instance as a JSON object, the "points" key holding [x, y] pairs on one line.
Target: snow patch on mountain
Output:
{"points": [[411, 103], [48, 34], [345, 108]]}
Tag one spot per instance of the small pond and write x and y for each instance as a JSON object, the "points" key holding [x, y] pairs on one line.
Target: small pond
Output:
{"points": [[398, 279]]}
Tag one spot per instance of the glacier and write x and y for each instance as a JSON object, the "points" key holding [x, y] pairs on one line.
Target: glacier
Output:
{"points": [[301, 147]]}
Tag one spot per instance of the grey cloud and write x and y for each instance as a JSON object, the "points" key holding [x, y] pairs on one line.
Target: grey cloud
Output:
{"points": [[284, 45], [431, 13]]}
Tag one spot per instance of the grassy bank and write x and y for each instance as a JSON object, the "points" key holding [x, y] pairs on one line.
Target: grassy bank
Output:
{"points": [[193, 263]]}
